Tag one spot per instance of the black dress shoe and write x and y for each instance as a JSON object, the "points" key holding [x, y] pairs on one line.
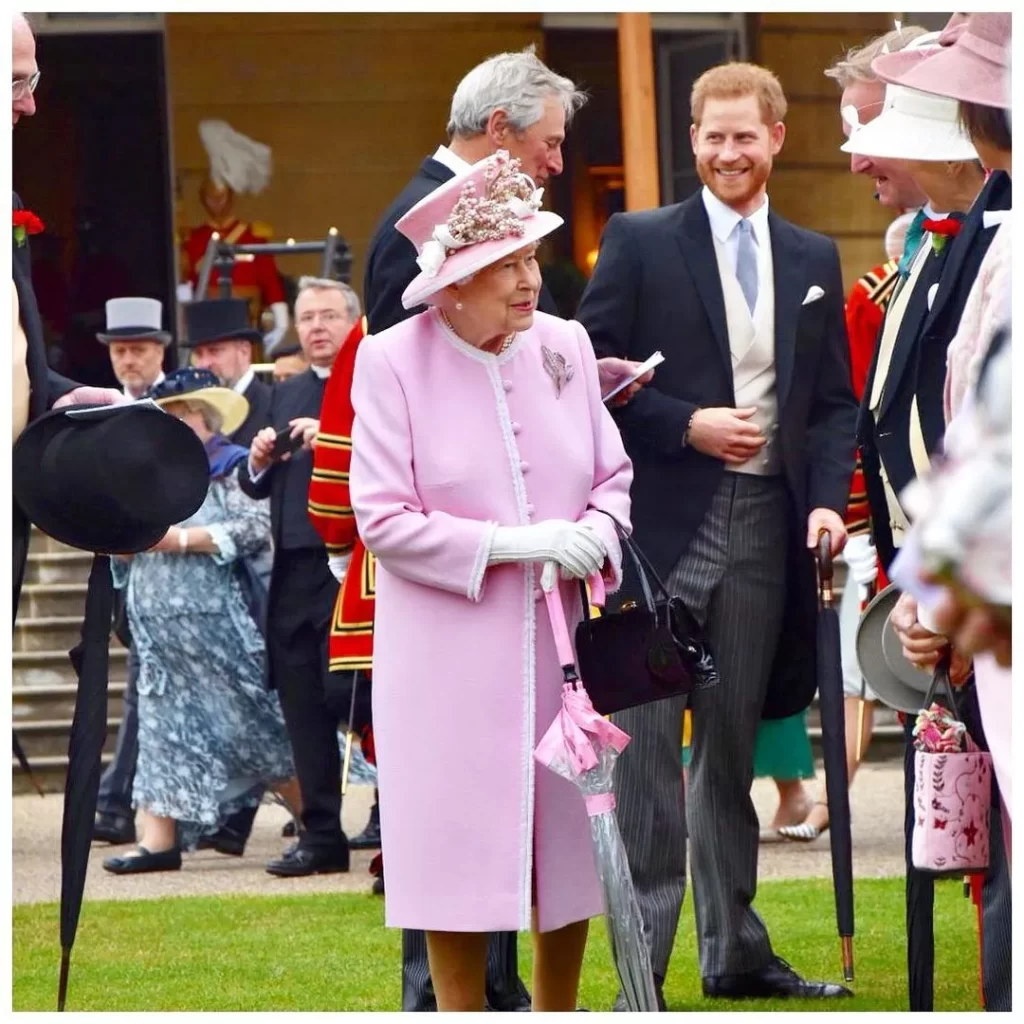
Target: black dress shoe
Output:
{"points": [[369, 838], [116, 831], [144, 861], [301, 861], [777, 979], [517, 1003], [225, 841]]}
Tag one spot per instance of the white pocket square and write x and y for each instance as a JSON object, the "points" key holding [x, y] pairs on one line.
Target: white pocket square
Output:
{"points": [[931, 294], [814, 293]]}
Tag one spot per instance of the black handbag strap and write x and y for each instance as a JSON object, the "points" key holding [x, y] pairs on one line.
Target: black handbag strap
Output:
{"points": [[641, 564]]}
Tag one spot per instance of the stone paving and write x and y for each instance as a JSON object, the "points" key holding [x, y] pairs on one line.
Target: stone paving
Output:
{"points": [[876, 799]]}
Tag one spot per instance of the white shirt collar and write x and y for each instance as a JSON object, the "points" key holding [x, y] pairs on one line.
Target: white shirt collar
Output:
{"points": [[323, 372], [724, 218], [128, 394], [454, 163], [244, 381]]}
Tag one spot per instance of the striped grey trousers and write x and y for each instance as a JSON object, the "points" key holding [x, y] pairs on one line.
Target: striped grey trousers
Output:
{"points": [[732, 577]]}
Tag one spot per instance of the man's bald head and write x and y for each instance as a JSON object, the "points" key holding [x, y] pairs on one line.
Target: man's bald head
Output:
{"points": [[23, 68]]}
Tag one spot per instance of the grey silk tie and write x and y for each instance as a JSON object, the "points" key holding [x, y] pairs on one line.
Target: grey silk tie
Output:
{"points": [[746, 263]]}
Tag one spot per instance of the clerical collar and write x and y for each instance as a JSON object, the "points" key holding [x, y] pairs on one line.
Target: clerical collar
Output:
{"points": [[323, 372]]}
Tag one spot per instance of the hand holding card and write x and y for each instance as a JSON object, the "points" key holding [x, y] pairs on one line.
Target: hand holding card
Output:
{"points": [[635, 372]]}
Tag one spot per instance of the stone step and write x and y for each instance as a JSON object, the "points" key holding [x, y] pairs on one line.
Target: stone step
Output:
{"points": [[40, 543], [41, 600], [49, 772], [52, 668], [32, 703], [52, 633], [49, 737], [67, 566]]}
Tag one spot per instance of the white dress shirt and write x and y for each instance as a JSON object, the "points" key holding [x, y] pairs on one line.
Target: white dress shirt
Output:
{"points": [[244, 381], [454, 163]]}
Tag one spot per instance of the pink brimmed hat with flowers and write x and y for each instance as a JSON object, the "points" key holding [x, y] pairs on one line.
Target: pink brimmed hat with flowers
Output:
{"points": [[471, 221]]}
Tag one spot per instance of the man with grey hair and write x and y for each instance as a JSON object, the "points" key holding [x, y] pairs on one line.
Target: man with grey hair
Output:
{"points": [[511, 101], [303, 588]]}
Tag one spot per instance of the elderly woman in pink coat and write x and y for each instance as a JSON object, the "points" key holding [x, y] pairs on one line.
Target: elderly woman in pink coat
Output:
{"points": [[484, 468]]}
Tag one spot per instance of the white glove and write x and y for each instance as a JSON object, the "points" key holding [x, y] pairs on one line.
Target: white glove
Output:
{"points": [[577, 549], [862, 559], [338, 564]]}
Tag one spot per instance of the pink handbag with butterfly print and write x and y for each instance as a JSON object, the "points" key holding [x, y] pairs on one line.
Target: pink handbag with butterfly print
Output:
{"points": [[952, 791]]}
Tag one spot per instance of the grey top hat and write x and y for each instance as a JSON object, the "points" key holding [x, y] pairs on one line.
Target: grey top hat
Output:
{"points": [[134, 319], [895, 680]]}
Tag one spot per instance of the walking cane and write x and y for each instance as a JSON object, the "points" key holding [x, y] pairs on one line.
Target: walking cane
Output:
{"points": [[349, 735]]}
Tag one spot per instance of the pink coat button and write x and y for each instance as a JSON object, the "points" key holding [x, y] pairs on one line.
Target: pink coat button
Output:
{"points": [[507, 385], [517, 428]]}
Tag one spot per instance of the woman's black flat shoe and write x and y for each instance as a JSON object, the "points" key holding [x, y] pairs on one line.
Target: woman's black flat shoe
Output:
{"points": [[143, 861]]}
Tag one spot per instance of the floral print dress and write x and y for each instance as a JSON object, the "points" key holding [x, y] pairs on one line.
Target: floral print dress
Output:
{"points": [[211, 735]]}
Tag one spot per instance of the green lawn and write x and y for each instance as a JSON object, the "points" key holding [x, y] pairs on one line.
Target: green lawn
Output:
{"points": [[330, 953]]}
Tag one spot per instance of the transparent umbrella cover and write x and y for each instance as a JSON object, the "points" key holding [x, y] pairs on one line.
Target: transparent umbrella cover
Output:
{"points": [[582, 747]]}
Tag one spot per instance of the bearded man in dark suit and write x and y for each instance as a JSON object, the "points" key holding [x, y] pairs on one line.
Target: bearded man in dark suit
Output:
{"points": [[742, 451]]}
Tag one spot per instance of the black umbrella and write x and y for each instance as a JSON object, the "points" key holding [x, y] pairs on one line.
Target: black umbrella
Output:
{"points": [[88, 734], [920, 897], [833, 742]]}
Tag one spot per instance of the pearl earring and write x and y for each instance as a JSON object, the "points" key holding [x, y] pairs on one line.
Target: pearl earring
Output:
{"points": [[458, 305]]}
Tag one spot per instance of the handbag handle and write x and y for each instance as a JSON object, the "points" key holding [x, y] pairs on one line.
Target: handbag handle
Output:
{"points": [[642, 565], [940, 682]]}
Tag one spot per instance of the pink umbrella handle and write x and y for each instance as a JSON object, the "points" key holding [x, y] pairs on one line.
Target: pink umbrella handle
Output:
{"points": [[556, 613]]}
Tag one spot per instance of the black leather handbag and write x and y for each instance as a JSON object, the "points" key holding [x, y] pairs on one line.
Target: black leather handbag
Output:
{"points": [[645, 652]]}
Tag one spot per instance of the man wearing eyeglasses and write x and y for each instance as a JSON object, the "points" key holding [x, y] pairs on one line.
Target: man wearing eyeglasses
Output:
{"points": [[303, 587], [24, 71], [36, 388]]}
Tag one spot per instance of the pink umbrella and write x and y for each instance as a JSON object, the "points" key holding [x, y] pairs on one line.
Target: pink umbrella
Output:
{"points": [[582, 746]]}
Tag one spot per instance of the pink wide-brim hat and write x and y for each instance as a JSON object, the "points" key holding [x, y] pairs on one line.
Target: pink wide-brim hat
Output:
{"points": [[440, 266], [972, 63]]}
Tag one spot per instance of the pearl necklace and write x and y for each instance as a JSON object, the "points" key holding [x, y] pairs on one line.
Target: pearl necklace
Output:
{"points": [[505, 345]]}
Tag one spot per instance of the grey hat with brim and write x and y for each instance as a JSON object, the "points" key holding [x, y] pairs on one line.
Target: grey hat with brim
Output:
{"points": [[898, 684]]}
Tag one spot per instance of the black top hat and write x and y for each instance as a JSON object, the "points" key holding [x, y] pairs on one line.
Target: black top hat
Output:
{"points": [[109, 478], [211, 320]]}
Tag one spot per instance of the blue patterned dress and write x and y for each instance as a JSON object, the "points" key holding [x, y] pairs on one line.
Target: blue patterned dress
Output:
{"points": [[210, 732]]}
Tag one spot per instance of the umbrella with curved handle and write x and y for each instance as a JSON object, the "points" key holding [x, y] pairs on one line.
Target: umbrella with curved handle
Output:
{"points": [[833, 742]]}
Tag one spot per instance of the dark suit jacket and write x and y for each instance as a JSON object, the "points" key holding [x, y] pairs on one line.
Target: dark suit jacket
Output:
{"points": [[918, 364], [46, 386], [391, 260], [656, 286], [287, 483], [257, 394]]}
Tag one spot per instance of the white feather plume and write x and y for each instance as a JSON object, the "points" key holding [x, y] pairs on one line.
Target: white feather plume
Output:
{"points": [[235, 160]]}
